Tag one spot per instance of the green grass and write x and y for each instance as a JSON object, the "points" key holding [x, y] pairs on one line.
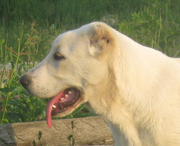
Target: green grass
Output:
{"points": [[28, 28]]}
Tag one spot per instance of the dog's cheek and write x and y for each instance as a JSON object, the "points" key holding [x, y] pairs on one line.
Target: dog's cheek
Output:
{"points": [[97, 73]]}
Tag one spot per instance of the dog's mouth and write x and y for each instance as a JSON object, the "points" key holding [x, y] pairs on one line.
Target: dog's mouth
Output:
{"points": [[61, 102]]}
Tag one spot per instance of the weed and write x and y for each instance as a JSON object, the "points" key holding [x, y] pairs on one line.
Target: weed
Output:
{"points": [[39, 138], [71, 136], [16, 105], [3, 120]]}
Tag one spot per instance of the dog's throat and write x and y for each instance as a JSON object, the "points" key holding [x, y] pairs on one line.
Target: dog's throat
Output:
{"points": [[60, 103]]}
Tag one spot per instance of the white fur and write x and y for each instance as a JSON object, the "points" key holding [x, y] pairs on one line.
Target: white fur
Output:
{"points": [[136, 88]]}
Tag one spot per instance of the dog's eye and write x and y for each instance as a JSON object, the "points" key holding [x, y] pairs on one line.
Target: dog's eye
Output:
{"points": [[58, 56]]}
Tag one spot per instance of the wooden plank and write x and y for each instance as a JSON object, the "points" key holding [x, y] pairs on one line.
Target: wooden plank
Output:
{"points": [[85, 131]]}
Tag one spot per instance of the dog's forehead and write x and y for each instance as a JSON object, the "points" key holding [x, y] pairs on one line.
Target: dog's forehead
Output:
{"points": [[64, 39], [68, 40]]}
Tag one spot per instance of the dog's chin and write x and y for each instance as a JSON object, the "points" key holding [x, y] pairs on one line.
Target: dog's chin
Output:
{"points": [[63, 104]]}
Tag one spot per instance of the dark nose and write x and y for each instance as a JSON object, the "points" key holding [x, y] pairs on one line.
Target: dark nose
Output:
{"points": [[25, 80]]}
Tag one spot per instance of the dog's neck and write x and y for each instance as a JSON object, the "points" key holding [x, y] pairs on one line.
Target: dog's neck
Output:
{"points": [[104, 93], [107, 102]]}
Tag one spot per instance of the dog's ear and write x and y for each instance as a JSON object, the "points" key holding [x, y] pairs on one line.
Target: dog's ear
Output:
{"points": [[101, 38]]}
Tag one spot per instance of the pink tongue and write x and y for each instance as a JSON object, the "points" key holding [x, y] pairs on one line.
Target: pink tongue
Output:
{"points": [[52, 101]]}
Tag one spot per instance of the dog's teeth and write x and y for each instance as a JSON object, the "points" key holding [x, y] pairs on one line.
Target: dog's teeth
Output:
{"points": [[66, 95], [53, 106], [70, 92], [62, 99]]}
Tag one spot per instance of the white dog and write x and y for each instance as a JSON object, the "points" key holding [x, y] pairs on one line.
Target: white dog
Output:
{"points": [[136, 88]]}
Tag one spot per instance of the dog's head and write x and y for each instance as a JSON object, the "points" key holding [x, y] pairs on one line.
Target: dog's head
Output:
{"points": [[75, 65]]}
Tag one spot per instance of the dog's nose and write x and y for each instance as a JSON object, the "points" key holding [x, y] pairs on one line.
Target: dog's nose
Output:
{"points": [[25, 80]]}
